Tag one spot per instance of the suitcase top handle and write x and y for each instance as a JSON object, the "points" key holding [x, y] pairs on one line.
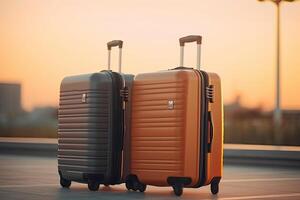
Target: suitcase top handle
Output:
{"points": [[114, 43], [111, 44], [190, 38]]}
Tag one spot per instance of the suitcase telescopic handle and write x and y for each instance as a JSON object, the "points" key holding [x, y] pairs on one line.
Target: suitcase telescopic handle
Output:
{"points": [[187, 39], [111, 44]]}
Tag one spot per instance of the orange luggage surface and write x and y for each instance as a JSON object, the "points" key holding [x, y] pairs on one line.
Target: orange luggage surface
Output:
{"points": [[176, 128]]}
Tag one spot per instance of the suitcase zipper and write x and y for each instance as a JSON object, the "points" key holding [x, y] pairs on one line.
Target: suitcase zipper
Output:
{"points": [[203, 132], [118, 146]]}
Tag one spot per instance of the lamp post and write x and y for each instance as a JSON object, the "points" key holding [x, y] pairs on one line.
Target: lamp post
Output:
{"points": [[277, 116], [277, 111]]}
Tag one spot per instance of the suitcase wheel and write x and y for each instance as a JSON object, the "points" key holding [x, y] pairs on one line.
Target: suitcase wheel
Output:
{"points": [[93, 185], [142, 187], [135, 185], [129, 185], [178, 189], [65, 183], [214, 187]]}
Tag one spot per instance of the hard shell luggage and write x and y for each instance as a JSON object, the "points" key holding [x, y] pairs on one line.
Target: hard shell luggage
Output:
{"points": [[91, 126], [176, 128]]}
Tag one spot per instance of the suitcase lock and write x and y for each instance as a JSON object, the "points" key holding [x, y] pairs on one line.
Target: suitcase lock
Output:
{"points": [[124, 94], [210, 93]]}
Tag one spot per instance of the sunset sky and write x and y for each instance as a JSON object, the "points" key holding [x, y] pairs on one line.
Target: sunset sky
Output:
{"points": [[43, 41]]}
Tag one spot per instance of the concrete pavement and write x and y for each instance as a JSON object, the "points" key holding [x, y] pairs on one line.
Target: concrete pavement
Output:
{"points": [[35, 177]]}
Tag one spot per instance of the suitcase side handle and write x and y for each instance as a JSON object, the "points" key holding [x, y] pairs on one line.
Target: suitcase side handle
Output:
{"points": [[187, 39], [111, 44], [211, 130]]}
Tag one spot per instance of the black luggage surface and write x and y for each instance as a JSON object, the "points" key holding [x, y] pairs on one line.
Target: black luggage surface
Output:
{"points": [[91, 126]]}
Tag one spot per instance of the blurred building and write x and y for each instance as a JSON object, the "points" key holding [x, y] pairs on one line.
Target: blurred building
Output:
{"points": [[40, 116], [246, 125], [236, 110], [10, 99]]}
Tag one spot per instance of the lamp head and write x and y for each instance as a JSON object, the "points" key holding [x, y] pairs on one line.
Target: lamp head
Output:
{"points": [[274, 1], [277, 1]]}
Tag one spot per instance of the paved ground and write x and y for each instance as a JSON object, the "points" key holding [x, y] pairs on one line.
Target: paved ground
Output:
{"points": [[26, 177]]}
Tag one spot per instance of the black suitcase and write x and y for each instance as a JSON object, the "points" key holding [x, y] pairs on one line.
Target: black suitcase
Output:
{"points": [[92, 126]]}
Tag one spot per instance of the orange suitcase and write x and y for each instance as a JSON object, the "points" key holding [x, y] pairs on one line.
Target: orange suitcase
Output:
{"points": [[176, 128]]}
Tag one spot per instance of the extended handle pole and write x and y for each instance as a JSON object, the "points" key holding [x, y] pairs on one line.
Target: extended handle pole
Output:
{"points": [[187, 39], [111, 44], [198, 56], [108, 61], [120, 59], [181, 56]]}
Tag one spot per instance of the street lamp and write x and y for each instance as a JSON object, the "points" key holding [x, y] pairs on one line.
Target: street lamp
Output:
{"points": [[277, 110]]}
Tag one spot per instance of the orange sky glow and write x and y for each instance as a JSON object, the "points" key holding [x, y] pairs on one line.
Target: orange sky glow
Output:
{"points": [[43, 41]]}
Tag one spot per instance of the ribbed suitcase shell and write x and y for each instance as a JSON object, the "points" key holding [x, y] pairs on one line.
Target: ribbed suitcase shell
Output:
{"points": [[169, 137], [90, 132]]}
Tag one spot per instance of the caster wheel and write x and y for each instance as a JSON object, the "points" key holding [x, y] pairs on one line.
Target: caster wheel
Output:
{"points": [[65, 183], [135, 186], [128, 185], [93, 185], [178, 189], [142, 187], [214, 187]]}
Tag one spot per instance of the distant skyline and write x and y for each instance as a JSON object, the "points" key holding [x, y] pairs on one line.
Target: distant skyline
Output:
{"points": [[43, 41]]}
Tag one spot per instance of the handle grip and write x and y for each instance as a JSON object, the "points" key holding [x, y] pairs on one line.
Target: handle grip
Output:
{"points": [[190, 38], [114, 43]]}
